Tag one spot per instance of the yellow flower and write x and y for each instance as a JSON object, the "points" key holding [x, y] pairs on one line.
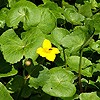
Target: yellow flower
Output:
{"points": [[47, 50]]}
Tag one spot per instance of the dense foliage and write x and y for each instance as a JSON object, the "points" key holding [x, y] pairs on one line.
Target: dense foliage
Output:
{"points": [[49, 49]]}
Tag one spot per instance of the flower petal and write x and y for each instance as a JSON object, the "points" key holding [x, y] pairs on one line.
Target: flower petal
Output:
{"points": [[41, 52], [55, 50], [47, 44], [51, 56]]}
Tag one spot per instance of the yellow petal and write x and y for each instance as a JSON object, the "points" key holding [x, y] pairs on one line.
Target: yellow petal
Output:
{"points": [[41, 52], [55, 50], [47, 44], [50, 57]]}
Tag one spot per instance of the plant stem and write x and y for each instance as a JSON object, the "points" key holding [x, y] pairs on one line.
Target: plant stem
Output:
{"points": [[80, 66], [80, 62], [64, 56]]}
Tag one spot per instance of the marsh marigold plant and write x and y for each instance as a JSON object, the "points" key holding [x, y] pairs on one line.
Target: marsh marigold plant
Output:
{"points": [[48, 51]]}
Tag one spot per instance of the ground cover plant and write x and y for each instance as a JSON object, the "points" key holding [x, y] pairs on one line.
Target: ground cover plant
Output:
{"points": [[49, 49]]}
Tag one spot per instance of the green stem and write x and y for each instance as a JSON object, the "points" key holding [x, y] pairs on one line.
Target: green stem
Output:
{"points": [[80, 66], [80, 62], [64, 57]]}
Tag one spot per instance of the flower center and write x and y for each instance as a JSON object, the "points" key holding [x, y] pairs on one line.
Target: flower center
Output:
{"points": [[47, 50]]}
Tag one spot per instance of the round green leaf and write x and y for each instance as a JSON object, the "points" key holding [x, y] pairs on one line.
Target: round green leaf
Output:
{"points": [[54, 8], [32, 39], [12, 46], [62, 74], [30, 15], [89, 96], [59, 33], [13, 85], [96, 22], [62, 89], [75, 40], [72, 41], [73, 63], [60, 83], [86, 10], [47, 22], [96, 46], [72, 16], [4, 95], [23, 11], [41, 80]]}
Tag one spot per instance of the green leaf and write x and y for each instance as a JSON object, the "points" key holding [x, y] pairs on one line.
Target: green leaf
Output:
{"points": [[63, 89], [73, 17], [66, 76], [41, 80], [14, 48], [53, 41], [93, 84], [59, 33], [75, 97], [96, 22], [60, 83], [86, 9], [10, 73], [54, 8], [67, 5], [30, 15], [45, 1], [32, 39], [98, 79], [6, 69], [94, 4], [11, 46], [15, 84], [73, 63], [26, 91], [23, 11], [41, 96], [97, 68], [33, 70], [3, 14], [4, 95], [47, 22], [11, 3], [96, 46], [89, 96], [75, 40]]}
